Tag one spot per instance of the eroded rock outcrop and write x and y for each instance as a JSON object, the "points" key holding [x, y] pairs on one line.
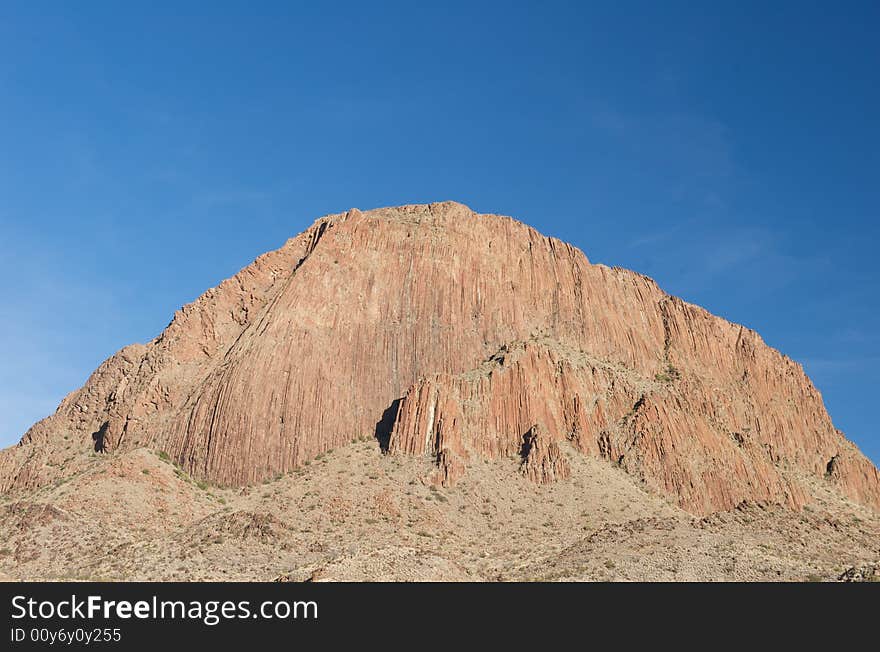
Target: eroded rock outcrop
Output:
{"points": [[865, 573], [542, 461], [450, 334]]}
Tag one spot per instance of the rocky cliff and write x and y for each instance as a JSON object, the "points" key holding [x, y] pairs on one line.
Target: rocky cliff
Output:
{"points": [[460, 336]]}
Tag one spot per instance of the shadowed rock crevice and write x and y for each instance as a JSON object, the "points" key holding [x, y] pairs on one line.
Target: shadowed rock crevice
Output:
{"points": [[832, 467], [99, 437], [385, 425]]}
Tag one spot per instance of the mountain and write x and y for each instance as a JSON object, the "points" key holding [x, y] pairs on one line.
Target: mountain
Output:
{"points": [[464, 341]]}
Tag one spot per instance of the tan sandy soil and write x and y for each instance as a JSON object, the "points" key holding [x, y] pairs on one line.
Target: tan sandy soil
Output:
{"points": [[356, 514]]}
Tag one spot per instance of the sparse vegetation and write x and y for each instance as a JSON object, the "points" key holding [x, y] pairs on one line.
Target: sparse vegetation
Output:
{"points": [[670, 374], [598, 526]]}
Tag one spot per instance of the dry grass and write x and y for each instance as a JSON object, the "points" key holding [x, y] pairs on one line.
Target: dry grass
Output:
{"points": [[358, 515]]}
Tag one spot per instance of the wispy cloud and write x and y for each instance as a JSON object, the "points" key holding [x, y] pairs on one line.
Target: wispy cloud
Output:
{"points": [[831, 366], [696, 256], [690, 152]]}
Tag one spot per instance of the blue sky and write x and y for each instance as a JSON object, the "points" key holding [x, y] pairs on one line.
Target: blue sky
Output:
{"points": [[148, 151]]}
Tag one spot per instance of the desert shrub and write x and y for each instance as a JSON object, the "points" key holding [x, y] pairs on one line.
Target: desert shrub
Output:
{"points": [[671, 374]]}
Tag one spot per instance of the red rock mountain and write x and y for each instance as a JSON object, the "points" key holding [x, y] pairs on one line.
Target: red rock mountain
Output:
{"points": [[459, 336]]}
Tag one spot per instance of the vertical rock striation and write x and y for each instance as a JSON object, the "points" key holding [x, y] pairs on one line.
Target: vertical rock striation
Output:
{"points": [[451, 334]]}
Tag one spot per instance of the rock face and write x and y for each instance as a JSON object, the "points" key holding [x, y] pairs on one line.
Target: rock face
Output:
{"points": [[446, 333], [866, 573], [542, 461]]}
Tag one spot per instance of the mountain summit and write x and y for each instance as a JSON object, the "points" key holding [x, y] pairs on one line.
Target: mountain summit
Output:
{"points": [[463, 337]]}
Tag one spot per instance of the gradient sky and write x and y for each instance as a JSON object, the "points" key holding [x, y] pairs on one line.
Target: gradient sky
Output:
{"points": [[147, 152]]}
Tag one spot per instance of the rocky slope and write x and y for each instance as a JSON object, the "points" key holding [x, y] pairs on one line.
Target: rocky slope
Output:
{"points": [[357, 514], [462, 337]]}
